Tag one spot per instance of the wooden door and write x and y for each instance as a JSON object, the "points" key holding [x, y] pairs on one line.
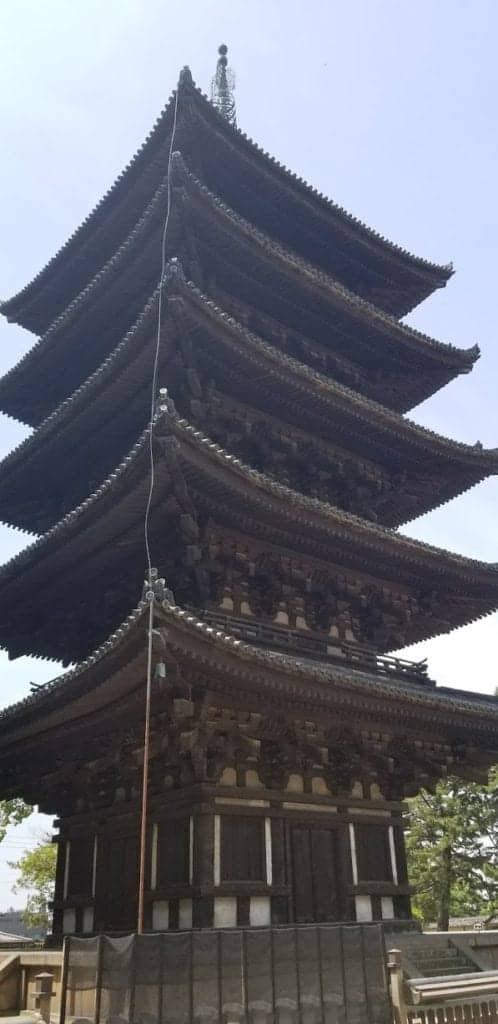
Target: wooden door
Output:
{"points": [[315, 873], [117, 893]]}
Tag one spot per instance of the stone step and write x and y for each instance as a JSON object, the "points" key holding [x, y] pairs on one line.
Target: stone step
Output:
{"points": [[427, 950], [442, 961], [434, 972], [451, 955], [437, 968], [422, 943], [435, 956], [449, 958]]}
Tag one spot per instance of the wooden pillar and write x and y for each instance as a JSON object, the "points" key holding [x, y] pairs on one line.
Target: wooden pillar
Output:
{"points": [[203, 867], [280, 913], [346, 872], [59, 884], [402, 904], [399, 847]]}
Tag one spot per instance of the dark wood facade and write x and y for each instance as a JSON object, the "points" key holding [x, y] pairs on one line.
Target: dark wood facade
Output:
{"points": [[284, 736], [276, 782]]}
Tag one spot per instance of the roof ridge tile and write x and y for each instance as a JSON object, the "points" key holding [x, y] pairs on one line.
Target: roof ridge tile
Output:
{"points": [[329, 203], [461, 700], [417, 264], [302, 264]]}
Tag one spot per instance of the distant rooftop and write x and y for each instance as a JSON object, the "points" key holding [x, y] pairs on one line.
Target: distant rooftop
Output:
{"points": [[8, 938]]}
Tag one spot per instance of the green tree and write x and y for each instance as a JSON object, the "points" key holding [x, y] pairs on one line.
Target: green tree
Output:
{"points": [[12, 812], [452, 846], [36, 875]]}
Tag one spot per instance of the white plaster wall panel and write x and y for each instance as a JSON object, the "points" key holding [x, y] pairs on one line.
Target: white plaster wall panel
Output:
{"points": [[225, 911], [259, 911], [185, 914], [363, 905], [160, 915], [69, 921]]}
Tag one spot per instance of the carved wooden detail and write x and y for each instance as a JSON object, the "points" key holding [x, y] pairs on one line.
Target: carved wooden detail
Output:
{"points": [[297, 460], [281, 588], [194, 740]]}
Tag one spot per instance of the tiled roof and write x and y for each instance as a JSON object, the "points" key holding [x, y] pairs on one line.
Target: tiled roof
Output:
{"points": [[480, 710], [439, 356], [308, 509], [319, 278], [312, 386], [431, 274]]}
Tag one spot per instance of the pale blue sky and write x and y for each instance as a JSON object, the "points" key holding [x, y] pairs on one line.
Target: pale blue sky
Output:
{"points": [[387, 106]]}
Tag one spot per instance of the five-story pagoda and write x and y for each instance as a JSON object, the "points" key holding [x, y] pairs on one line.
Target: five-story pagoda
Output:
{"points": [[283, 736]]}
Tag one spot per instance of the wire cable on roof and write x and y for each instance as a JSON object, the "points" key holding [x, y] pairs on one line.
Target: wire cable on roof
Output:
{"points": [[158, 346], [151, 585]]}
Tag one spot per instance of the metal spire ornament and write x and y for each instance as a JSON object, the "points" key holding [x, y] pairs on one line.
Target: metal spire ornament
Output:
{"points": [[222, 87]]}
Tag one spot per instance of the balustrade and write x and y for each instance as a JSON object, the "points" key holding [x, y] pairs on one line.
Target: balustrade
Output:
{"points": [[317, 646]]}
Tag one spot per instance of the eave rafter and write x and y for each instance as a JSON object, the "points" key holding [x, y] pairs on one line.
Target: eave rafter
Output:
{"points": [[305, 273], [107, 531], [403, 280], [216, 243], [421, 469], [72, 711]]}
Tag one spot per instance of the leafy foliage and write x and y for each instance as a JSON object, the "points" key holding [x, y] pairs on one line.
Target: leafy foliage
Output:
{"points": [[452, 846], [12, 812], [36, 874]]}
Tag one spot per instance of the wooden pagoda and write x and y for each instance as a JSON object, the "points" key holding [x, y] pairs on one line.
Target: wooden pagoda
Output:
{"points": [[284, 737]]}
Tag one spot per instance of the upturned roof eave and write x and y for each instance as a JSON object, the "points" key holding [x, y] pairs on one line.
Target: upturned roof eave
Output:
{"points": [[12, 380], [430, 275], [287, 505], [327, 205], [319, 279], [441, 358], [200, 641], [387, 419], [12, 307], [311, 384]]}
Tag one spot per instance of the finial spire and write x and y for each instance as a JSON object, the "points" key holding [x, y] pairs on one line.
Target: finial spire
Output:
{"points": [[222, 87]]}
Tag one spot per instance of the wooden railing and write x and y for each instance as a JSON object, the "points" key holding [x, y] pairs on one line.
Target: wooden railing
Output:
{"points": [[457, 999], [317, 645], [456, 1011]]}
